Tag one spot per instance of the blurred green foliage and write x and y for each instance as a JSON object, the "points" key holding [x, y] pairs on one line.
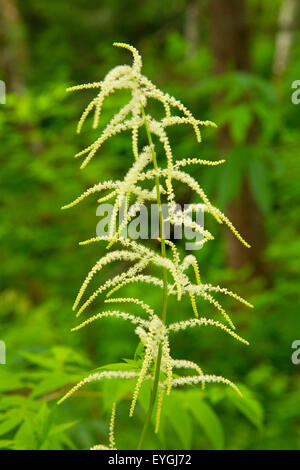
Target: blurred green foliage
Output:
{"points": [[42, 265]]}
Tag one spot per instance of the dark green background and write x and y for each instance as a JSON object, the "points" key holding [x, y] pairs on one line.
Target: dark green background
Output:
{"points": [[47, 46]]}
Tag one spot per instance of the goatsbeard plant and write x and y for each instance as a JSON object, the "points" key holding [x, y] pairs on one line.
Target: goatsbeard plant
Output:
{"points": [[180, 277]]}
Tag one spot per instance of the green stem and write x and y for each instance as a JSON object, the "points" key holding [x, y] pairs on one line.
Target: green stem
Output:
{"points": [[165, 289]]}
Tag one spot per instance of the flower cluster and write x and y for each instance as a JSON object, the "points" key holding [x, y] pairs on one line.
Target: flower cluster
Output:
{"points": [[181, 276]]}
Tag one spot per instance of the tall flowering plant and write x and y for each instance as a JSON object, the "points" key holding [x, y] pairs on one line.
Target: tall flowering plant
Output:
{"points": [[180, 277]]}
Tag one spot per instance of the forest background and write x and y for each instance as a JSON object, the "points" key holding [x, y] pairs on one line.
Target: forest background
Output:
{"points": [[233, 62]]}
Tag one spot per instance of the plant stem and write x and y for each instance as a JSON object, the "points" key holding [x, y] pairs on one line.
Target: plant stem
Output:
{"points": [[165, 288]]}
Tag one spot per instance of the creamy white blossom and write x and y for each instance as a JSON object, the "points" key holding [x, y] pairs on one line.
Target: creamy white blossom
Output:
{"points": [[152, 176]]}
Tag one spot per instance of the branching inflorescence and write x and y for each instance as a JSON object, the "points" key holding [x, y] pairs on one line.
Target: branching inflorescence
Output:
{"points": [[181, 277]]}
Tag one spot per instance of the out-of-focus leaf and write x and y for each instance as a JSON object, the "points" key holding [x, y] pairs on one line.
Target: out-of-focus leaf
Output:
{"points": [[43, 421], [9, 424], [259, 183], [6, 443], [25, 437], [60, 428], [115, 390], [232, 176], [207, 419], [9, 381], [248, 406], [238, 118], [179, 418], [268, 125], [53, 381], [123, 366], [40, 360]]}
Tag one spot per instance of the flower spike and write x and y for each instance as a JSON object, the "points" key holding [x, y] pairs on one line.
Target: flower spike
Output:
{"points": [[153, 176]]}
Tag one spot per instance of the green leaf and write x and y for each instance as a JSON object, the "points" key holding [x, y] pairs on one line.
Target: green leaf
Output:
{"points": [[144, 396], [66, 441], [240, 122], [6, 443], [139, 350], [232, 177], [115, 390], [53, 381], [124, 366], [25, 438], [238, 118], [248, 406], [134, 363], [40, 360], [16, 401], [44, 421], [9, 381], [207, 419], [56, 358], [9, 424], [259, 183], [268, 126], [61, 428], [179, 418]]}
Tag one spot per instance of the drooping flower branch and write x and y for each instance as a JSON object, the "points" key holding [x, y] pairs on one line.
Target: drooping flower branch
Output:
{"points": [[112, 442], [180, 277]]}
